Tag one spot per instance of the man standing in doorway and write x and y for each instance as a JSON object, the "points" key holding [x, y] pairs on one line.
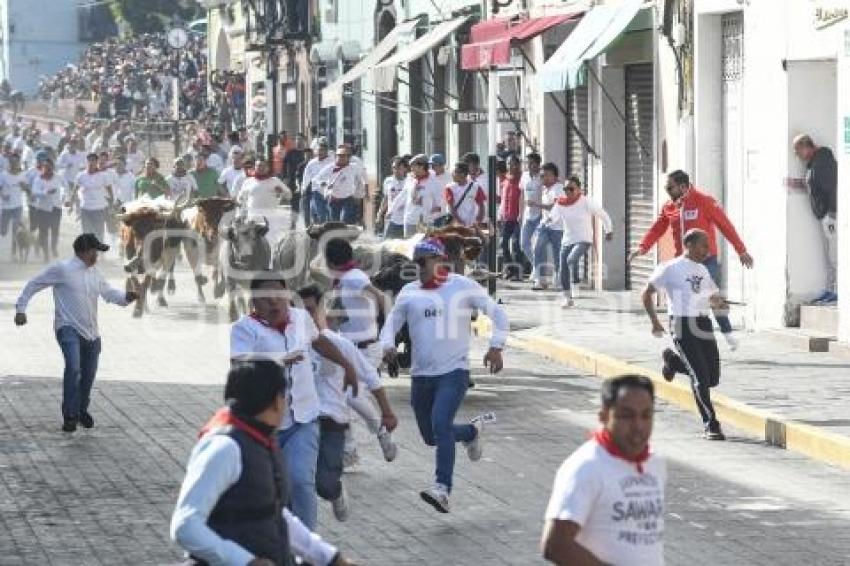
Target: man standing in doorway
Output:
{"points": [[689, 208], [589, 519], [822, 179], [76, 286]]}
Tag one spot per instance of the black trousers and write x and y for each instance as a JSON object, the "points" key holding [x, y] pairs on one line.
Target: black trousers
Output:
{"points": [[694, 339], [511, 254], [48, 230]]}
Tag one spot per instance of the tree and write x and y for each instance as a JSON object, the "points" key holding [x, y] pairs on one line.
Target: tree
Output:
{"points": [[151, 16]]}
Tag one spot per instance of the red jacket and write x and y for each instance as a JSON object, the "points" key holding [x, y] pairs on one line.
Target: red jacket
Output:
{"points": [[700, 211]]}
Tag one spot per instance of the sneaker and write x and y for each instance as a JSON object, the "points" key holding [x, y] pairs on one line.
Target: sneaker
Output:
{"points": [[350, 459], [830, 298], [567, 303], [731, 340], [824, 297], [86, 420], [473, 447], [69, 424], [716, 434], [340, 505], [388, 447], [673, 364], [539, 287], [437, 496]]}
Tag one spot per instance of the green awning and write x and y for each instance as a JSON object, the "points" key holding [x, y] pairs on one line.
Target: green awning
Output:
{"points": [[595, 33]]}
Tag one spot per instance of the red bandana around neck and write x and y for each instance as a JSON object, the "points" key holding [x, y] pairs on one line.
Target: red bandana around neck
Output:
{"points": [[344, 268], [338, 169], [225, 417], [603, 437], [440, 276], [259, 177], [279, 327], [569, 199]]}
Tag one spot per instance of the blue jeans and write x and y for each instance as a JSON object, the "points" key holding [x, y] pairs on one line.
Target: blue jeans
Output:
{"points": [[329, 467], [713, 267], [552, 238], [343, 210], [81, 357], [319, 208], [306, 199], [529, 226], [299, 445], [570, 256], [435, 400]]}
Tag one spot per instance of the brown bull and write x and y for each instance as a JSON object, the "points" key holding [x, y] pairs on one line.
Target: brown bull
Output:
{"points": [[204, 219]]}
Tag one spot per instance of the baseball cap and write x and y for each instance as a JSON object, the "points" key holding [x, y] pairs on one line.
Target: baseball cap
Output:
{"points": [[420, 159], [432, 247], [88, 241], [438, 159]]}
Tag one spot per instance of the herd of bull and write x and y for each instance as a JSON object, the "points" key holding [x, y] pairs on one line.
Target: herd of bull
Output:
{"points": [[214, 233]]}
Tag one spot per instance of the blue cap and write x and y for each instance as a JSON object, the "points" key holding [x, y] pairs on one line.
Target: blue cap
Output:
{"points": [[42, 156], [438, 159], [432, 247]]}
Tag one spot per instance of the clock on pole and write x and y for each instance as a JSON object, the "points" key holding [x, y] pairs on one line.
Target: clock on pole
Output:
{"points": [[177, 37]]}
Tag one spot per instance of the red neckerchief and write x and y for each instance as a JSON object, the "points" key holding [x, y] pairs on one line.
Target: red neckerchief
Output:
{"points": [[344, 268], [225, 417], [259, 177], [440, 277], [338, 169], [603, 437], [279, 327], [569, 200]]}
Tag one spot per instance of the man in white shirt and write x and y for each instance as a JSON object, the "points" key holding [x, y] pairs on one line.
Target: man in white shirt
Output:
{"points": [[691, 293], [391, 212], [339, 183], [592, 517], [135, 157], [71, 161], [574, 214], [124, 182], [94, 194], [233, 175], [182, 185], [51, 137], [317, 203], [76, 284], [275, 331], [334, 403], [12, 186], [547, 235], [477, 174], [438, 309], [420, 191], [232, 504], [442, 179], [464, 198], [48, 193], [532, 192]]}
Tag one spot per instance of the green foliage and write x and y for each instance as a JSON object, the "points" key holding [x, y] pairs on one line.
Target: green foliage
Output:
{"points": [[150, 16]]}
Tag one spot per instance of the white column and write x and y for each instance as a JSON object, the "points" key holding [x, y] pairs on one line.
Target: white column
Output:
{"points": [[842, 155]]}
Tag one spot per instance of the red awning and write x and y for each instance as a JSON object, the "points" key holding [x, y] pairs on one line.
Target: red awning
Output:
{"points": [[492, 39]]}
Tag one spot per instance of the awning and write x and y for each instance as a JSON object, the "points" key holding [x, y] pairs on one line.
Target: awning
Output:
{"points": [[332, 94], [597, 30], [384, 75], [491, 45], [333, 52]]}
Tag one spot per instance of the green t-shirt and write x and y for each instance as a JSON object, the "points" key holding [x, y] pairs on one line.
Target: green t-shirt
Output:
{"points": [[207, 180], [152, 186]]}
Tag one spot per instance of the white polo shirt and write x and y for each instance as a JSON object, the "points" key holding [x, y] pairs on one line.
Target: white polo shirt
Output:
{"points": [[620, 511], [251, 339]]}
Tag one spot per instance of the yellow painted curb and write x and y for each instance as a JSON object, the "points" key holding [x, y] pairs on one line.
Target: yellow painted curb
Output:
{"points": [[775, 430]]}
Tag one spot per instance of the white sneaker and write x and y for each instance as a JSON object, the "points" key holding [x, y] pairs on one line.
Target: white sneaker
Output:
{"points": [[473, 447], [388, 447], [350, 459], [340, 505], [731, 340], [437, 496], [567, 303]]}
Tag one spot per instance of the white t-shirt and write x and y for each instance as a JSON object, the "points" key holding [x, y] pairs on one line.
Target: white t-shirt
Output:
{"points": [[620, 510], [70, 164], [361, 310], [232, 178], [48, 194], [467, 211], [395, 206], [181, 187], [548, 196], [419, 199], [313, 168], [532, 191], [576, 220], [439, 323], [339, 184], [330, 377], [214, 161], [251, 339], [688, 285], [261, 195], [11, 190], [92, 190], [124, 186], [135, 162], [439, 200]]}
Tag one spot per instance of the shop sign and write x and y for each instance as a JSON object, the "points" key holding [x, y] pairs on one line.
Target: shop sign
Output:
{"points": [[504, 115], [825, 17]]}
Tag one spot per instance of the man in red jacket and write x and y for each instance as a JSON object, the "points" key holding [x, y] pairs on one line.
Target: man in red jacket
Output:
{"points": [[687, 209]]}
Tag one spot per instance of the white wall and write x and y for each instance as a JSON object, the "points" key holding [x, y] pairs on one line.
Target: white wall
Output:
{"points": [[842, 154]]}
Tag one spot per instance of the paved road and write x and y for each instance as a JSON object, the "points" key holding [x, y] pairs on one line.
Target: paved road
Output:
{"points": [[105, 495]]}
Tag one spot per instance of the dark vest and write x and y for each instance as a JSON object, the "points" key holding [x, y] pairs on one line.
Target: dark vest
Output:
{"points": [[249, 513]]}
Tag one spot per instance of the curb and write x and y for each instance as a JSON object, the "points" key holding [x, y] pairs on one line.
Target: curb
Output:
{"points": [[773, 429]]}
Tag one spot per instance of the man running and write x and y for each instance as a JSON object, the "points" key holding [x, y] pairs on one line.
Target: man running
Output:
{"points": [[437, 309], [691, 292], [607, 505], [690, 208]]}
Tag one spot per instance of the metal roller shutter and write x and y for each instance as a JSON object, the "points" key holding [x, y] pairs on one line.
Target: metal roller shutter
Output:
{"points": [[640, 202], [576, 153]]}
